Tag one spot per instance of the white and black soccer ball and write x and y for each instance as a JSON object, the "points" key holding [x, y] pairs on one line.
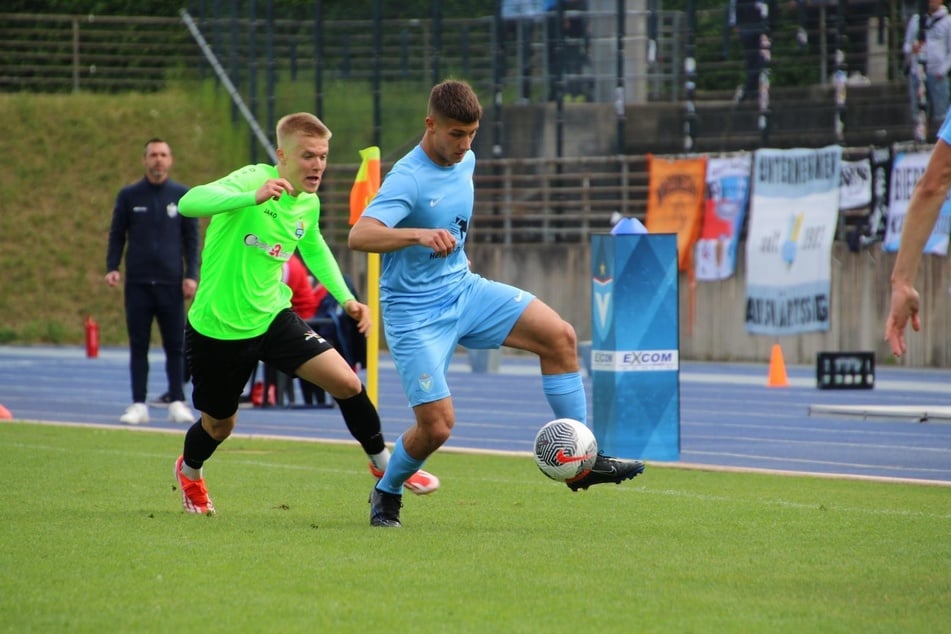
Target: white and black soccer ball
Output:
{"points": [[565, 449]]}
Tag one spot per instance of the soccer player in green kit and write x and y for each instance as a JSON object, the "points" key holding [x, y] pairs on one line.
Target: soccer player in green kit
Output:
{"points": [[241, 314]]}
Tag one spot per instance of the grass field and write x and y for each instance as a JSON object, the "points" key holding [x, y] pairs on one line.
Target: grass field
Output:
{"points": [[94, 540]]}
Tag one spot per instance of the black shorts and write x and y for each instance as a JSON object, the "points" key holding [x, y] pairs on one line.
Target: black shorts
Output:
{"points": [[220, 368]]}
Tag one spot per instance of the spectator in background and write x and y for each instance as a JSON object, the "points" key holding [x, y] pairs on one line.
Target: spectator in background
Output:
{"points": [[311, 301], [747, 19], [568, 49], [305, 294], [161, 272], [314, 304], [519, 23], [929, 195], [935, 54]]}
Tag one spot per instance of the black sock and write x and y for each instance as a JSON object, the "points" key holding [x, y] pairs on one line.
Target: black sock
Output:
{"points": [[363, 421], [198, 446]]}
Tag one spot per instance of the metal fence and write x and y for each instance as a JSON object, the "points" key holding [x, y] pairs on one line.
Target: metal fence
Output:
{"points": [[518, 200], [545, 200], [50, 52], [524, 200], [46, 52]]}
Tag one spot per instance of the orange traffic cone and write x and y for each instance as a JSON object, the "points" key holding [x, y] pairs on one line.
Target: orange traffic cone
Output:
{"points": [[5, 413], [777, 368]]}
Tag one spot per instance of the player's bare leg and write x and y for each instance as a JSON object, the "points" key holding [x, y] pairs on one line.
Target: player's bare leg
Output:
{"points": [[331, 372], [542, 331]]}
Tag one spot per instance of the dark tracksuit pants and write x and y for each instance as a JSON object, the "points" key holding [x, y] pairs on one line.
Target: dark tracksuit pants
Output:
{"points": [[165, 304]]}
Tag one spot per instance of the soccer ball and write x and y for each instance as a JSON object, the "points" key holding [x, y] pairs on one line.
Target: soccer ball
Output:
{"points": [[565, 449]]}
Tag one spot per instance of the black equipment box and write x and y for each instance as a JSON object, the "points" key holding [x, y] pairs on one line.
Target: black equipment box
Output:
{"points": [[845, 370]]}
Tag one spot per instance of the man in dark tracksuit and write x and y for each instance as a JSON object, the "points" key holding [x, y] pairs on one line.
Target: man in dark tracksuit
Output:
{"points": [[161, 272]]}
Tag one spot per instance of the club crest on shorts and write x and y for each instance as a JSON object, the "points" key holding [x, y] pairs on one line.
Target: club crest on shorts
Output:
{"points": [[425, 382]]}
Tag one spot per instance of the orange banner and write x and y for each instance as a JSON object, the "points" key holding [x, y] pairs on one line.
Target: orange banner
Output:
{"points": [[675, 201], [367, 182]]}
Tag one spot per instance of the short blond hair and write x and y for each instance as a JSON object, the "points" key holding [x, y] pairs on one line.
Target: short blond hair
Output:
{"points": [[301, 123]]}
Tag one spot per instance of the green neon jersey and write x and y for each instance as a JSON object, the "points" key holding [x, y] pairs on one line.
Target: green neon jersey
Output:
{"points": [[246, 245]]}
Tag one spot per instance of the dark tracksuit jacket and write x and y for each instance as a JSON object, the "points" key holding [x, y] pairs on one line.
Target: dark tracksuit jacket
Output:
{"points": [[161, 250]]}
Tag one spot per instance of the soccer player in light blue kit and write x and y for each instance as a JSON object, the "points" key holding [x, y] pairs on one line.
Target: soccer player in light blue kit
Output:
{"points": [[432, 301]]}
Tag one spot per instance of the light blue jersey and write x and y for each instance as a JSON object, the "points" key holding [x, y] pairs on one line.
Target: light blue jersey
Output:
{"points": [[945, 132], [419, 193]]}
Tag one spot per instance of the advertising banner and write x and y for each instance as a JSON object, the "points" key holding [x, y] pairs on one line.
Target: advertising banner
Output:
{"points": [[635, 340], [907, 168], [794, 210], [728, 187], [675, 201]]}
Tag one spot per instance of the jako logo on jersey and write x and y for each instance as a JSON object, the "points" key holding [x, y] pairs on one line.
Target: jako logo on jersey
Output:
{"points": [[425, 382]]}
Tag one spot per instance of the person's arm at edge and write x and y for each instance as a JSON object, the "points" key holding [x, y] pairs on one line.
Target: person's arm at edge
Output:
{"points": [[923, 209]]}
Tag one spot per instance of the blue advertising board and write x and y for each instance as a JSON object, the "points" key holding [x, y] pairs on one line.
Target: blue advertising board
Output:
{"points": [[635, 362]]}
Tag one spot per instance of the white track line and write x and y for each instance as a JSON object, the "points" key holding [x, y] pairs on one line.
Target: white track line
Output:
{"points": [[527, 454]]}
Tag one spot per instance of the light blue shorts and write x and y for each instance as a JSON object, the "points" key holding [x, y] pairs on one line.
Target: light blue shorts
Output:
{"points": [[480, 319]]}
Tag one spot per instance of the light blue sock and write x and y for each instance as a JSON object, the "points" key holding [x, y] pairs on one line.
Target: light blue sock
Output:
{"points": [[401, 466], [565, 394]]}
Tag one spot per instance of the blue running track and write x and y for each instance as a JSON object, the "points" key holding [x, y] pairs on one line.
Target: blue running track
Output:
{"points": [[729, 418]]}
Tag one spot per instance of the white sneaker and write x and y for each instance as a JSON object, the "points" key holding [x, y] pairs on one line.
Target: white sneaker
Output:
{"points": [[178, 412], [135, 414]]}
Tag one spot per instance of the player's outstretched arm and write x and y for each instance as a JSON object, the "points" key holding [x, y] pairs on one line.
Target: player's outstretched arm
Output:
{"points": [[904, 307], [923, 209]]}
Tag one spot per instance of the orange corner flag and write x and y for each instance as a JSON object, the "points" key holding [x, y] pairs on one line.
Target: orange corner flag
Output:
{"points": [[367, 182], [777, 368], [365, 187]]}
